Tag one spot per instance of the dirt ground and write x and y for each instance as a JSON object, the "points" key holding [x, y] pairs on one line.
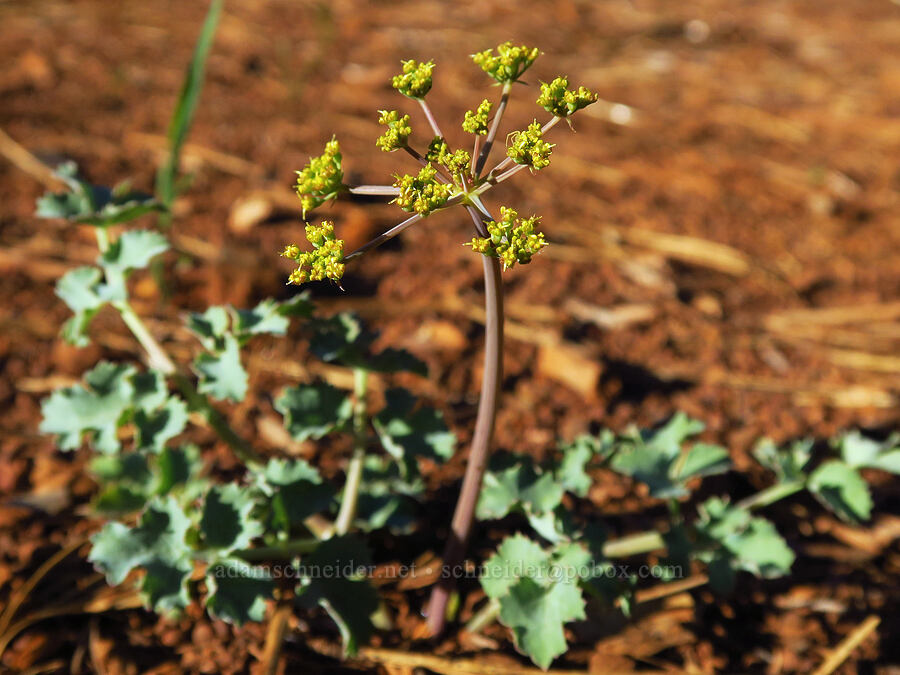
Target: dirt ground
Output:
{"points": [[725, 229]]}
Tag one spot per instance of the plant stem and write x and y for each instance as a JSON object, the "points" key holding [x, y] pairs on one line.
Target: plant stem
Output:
{"points": [[643, 542], [476, 146], [484, 616], [102, 238], [156, 355], [217, 423], [495, 125], [397, 229], [431, 121], [384, 236], [355, 469], [771, 495], [375, 190], [464, 514]]}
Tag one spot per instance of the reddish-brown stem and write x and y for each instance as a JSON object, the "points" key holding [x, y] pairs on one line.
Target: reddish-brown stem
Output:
{"points": [[431, 121], [492, 132], [464, 515], [383, 237], [424, 162], [374, 190]]}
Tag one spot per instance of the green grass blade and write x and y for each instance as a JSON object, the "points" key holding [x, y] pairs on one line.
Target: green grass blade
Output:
{"points": [[166, 189]]}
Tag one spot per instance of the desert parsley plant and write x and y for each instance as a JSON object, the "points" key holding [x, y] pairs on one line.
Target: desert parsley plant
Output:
{"points": [[180, 532], [451, 178]]}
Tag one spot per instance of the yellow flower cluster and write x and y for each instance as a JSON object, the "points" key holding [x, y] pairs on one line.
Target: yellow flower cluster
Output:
{"points": [[439, 152], [476, 121], [509, 63], [511, 239], [397, 132], [422, 194], [415, 80], [529, 147], [558, 100], [322, 179], [325, 261]]}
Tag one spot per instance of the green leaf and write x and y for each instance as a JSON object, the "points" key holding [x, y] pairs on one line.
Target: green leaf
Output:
{"points": [[343, 339], [538, 591], [157, 544], [408, 432], [387, 496], [150, 390], [119, 498], [64, 205], [93, 204], [222, 375], [704, 459], [340, 338], [226, 523], [179, 467], [790, 464], [266, 317], [210, 327], [78, 289], [576, 456], [840, 487], [237, 591], [133, 250], [655, 458], [296, 491], [187, 104], [74, 330], [165, 584], [516, 557], [98, 409], [741, 541], [536, 614], [314, 410], [156, 428], [555, 526], [345, 593], [297, 305], [130, 467], [126, 482], [516, 482], [859, 451]]}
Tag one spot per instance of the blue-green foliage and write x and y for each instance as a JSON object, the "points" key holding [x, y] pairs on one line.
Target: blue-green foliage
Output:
{"points": [[539, 589]]}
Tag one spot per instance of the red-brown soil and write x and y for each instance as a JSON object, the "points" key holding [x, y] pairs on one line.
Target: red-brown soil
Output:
{"points": [[769, 128]]}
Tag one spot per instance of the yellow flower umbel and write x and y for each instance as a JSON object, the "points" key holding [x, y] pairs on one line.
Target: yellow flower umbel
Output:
{"points": [[415, 80], [439, 152], [508, 64], [511, 239], [422, 194], [557, 100], [529, 147], [325, 261], [322, 179], [397, 132], [476, 121]]}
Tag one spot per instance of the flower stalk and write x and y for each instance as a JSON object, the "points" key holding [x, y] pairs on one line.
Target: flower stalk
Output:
{"points": [[350, 498], [464, 515]]}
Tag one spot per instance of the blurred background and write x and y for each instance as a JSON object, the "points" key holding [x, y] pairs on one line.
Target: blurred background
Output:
{"points": [[725, 230]]}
